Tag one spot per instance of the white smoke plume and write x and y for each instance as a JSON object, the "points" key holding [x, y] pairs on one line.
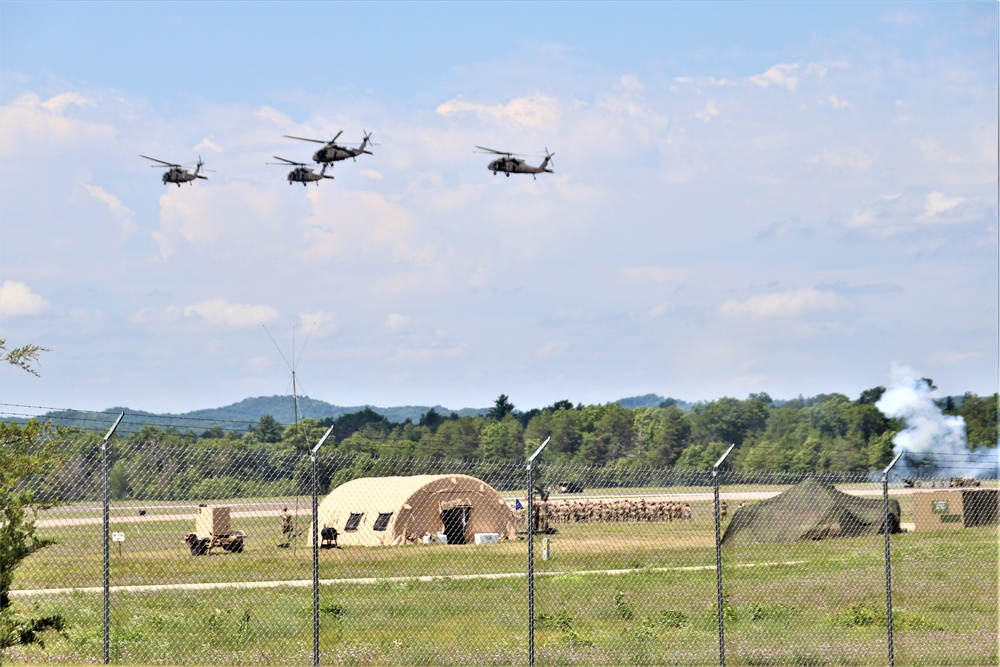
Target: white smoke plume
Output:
{"points": [[935, 444]]}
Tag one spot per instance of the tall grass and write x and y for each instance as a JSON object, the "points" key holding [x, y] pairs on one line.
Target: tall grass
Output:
{"points": [[610, 594]]}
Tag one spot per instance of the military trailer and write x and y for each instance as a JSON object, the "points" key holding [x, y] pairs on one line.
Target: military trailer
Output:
{"points": [[211, 530], [955, 508]]}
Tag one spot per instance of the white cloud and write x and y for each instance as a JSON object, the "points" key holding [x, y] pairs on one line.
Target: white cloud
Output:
{"points": [[658, 310], [57, 103], [318, 322], [778, 75], [220, 312], [536, 111], [17, 299], [788, 75], [852, 157], [628, 102], [29, 122], [656, 274], [711, 111], [153, 317], [839, 103], [785, 304], [209, 213], [939, 203], [208, 144], [397, 322], [273, 116], [124, 215], [909, 211], [361, 226], [550, 349]]}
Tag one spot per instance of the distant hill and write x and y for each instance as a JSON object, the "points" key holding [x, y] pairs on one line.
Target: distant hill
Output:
{"points": [[242, 415], [282, 408], [238, 416], [652, 401]]}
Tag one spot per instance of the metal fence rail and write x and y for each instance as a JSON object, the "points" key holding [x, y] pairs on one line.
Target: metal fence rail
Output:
{"points": [[213, 557]]}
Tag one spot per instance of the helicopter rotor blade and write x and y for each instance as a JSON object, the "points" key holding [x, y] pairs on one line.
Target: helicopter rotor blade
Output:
{"points": [[285, 162], [507, 153], [334, 140], [315, 141], [483, 149], [168, 164]]}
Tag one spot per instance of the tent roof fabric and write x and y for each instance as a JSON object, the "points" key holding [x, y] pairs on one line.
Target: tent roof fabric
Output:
{"points": [[810, 510], [415, 504]]}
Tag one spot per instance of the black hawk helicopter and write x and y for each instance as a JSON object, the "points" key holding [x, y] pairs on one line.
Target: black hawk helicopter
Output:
{"points": [[509, 164], [176, 173], [333, 152], [302, 174]]}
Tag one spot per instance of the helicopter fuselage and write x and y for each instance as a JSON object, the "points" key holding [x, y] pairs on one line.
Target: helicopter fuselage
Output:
{"points": [[335, 153], [512, 165], [305, 175], [179, 176]]}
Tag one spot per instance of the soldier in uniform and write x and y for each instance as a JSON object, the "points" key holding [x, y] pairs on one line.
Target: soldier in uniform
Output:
{"points": [[286, 526]]}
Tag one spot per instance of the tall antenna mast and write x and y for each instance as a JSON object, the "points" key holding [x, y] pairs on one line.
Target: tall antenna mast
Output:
{"points": [[292, 367], [295, 393]]}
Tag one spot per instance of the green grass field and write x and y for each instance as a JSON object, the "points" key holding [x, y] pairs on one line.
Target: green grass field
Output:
{"points": [[610, 594]]}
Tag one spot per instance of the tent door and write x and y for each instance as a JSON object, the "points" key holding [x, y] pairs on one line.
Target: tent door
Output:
{"points": [[455, 521]]}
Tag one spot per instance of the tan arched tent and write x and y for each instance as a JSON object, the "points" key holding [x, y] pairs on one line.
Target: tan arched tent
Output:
{"points": [[374, 511]]}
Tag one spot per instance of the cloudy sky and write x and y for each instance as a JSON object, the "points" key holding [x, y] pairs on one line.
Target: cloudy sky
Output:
{"points": [[780, 197]]}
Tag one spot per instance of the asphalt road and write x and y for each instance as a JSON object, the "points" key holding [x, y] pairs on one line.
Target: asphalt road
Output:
{"points": [[272, 508]]}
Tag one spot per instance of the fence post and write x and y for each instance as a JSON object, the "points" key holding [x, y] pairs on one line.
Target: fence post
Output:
{"points": [[315, 541], [106, 520], [718, 556], [888, 563], [531, 556]]}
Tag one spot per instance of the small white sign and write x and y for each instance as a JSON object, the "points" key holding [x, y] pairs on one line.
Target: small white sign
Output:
{"points": [[117, 537]]}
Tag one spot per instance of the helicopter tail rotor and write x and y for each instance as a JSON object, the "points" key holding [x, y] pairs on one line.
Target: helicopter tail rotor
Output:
{"points": [[547, 161], [367, 141]]}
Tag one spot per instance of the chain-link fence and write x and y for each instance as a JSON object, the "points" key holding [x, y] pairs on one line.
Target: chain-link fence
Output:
{"points": [[184, 556]]}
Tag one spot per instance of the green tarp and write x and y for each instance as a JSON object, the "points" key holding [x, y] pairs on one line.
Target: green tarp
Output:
{"points": [[810, 510]]}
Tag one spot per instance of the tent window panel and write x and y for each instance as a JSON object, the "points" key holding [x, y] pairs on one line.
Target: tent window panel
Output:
{"points": [[382, 521], [353, 521]]}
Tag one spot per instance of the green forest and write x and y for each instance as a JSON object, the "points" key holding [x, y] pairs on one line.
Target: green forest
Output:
{"points": [[829, 433]]}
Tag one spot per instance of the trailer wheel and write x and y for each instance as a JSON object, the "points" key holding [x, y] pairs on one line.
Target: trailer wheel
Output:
{"points": [[237, 547], [199, 547]]}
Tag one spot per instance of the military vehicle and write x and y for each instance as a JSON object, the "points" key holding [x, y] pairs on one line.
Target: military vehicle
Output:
{"points": [[212, 530], [302, 174], [334, 152], [176, 173], [509, 164]]}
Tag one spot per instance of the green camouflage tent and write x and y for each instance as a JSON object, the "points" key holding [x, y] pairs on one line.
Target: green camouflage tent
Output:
{"points": [[810, 510]]}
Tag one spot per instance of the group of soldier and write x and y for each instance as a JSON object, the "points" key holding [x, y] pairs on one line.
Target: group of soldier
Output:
{"points": [[597, 511]]}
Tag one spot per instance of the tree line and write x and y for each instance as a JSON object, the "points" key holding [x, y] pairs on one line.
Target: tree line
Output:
{"points": [[828, 433], [825, 433]]}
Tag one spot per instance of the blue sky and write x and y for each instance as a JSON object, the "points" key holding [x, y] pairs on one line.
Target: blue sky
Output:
{"points": [[784, 197]]}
